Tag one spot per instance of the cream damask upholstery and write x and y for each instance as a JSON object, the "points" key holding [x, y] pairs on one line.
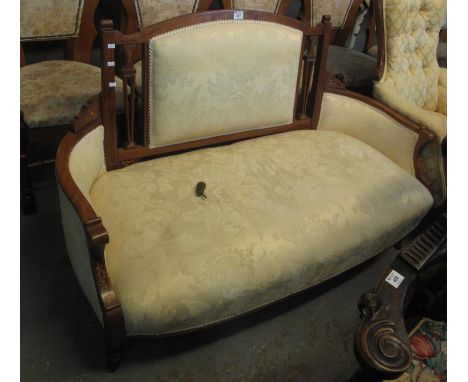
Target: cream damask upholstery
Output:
{"points": [[153, 11], [377, 129], [411, 82], [337, 9], [52, 92], [50, 19], [257, 5], [288, 211], [244, 79]]}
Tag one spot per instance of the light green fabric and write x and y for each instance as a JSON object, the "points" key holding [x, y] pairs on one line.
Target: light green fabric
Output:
{"points": [[244, 79], [282, 213], [49, 19]]}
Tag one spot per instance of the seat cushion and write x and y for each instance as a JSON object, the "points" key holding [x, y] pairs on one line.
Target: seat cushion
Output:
{"points": [[283, 213], [52, 92], [358, 69]]}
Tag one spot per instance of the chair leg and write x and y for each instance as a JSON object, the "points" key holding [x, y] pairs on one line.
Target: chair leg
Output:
{"points": [[114, 357], [28, 203]]}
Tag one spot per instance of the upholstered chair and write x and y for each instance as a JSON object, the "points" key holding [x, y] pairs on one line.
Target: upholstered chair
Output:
{"points": [[354, 68], [142, 13], [441, 47], [274, 6], [410, 79], [52, 92]]}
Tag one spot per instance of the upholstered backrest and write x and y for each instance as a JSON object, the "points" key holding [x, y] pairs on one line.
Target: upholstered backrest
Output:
{"points": [[257, 5], [411, 29], [230, 76], [153, 11], [337, 9], [50, 19]]}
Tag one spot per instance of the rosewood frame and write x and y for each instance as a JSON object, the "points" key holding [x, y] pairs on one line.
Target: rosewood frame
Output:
{"points": [[99, 111], [118, 157]]}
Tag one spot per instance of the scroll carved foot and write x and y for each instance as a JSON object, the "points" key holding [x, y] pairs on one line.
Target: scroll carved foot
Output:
{"points": [[380, 342]]}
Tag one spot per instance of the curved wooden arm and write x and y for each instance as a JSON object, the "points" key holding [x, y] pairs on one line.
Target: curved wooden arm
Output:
{"points": [[88, 119]]}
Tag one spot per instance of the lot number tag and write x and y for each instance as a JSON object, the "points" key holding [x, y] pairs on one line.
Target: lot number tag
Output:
{"points": [[238, 15], [394, 279]]}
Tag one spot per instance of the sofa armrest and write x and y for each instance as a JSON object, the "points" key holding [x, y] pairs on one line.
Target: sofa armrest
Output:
{"points": [[80, 160], [433, 120], [412, 147]]}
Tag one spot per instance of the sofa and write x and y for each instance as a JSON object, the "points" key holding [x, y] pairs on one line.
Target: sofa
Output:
{"points": [[233, 190]]}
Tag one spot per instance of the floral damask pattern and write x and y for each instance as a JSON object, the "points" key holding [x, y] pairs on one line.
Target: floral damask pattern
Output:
{"points": [[153, 11], [257, 5], [52, 92], [337, 9], [283, 212], [46, 19], [245, 78]]}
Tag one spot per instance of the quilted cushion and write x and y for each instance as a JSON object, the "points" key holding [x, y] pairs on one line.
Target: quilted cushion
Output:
{"points": [[282, 213], [358, 69], [52, 92]]}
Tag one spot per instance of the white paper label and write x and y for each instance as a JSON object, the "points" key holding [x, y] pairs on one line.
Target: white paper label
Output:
{"points": [[394, 279], [238, 15], [111, 63], [110, 46], [112, 84]]}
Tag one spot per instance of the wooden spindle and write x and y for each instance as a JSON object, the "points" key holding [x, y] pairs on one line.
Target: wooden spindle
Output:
{"points": [[308, 62], [128, 77]]}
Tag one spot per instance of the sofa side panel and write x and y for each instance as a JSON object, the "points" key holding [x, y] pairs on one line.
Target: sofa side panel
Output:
{"points": [[370, 125], [78, 251]]}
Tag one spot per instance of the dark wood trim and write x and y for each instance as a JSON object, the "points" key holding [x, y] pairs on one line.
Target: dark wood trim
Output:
{"points": [[320, 74], [22, 57], [108, 93], [118, 157], [88, 119], [83, 44], [380, 34], [203, 17], [425, 136], [140, 152]]}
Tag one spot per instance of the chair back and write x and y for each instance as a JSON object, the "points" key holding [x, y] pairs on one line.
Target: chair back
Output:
{"points": [[71, 20], [274, 6], [408, 35], [213, 77]]}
